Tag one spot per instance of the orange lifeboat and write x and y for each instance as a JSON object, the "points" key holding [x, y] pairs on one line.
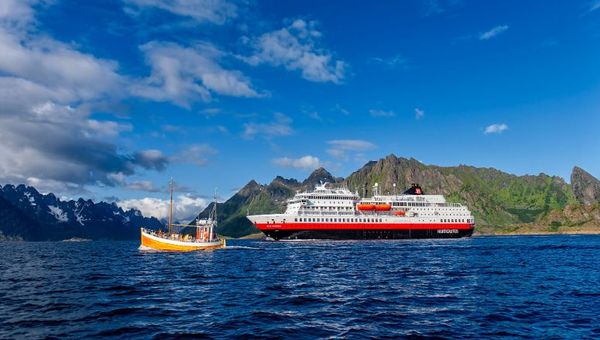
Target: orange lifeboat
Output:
{"points": [[365, 206], [383, 207], [399, 213]]}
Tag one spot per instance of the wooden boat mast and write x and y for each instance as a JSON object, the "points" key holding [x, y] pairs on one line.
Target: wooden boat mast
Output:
{"points": [[171, 206]]}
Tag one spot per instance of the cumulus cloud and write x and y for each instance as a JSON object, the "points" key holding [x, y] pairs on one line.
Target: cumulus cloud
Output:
{"points": [[197, 154], [151, 159], [55, 69], [185, 207], [16, 13], [279, 126], [340, 148], [419, 113], [493, 32], [48, 90], [143, 186], [183, 75], [496, 128], [381, 113], [212, 11], [296, 47], [305, 162]]}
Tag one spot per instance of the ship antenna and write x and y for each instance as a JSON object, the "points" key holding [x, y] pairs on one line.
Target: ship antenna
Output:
{"points": [[213, 223], [215, 208]]}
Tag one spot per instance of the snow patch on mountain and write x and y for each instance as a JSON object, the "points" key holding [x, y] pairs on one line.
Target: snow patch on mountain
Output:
{"points": [[60, 215], [31, 198]]}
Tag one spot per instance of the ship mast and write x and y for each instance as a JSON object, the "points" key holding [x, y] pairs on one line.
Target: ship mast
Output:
{"points": [[171, 206]]}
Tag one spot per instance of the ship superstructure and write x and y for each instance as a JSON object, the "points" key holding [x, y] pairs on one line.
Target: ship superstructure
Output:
{"points": [[338, 213]]}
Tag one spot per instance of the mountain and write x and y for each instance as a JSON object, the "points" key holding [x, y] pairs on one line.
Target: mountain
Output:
{"points": [[497, 199], [494, 197], [255, 198], [501, 202], [29, 215], [585, 186]]}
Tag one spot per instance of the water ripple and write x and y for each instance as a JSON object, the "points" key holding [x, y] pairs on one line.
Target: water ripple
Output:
{"points": [[529, 287]]}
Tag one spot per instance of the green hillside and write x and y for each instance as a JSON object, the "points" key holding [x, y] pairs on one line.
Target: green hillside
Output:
{"points": [[498, 200]]}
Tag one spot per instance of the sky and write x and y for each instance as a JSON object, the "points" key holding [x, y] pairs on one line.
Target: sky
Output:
{"points": [[108, 100]]}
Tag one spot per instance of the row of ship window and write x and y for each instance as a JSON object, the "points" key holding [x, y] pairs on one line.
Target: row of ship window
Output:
{"points": [[329, 198], [326, 219], [456, 220], [328, 208], [419, 204]]}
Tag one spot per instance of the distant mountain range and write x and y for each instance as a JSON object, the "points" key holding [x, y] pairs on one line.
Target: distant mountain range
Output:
{"points": [[25, 214], [501, 202]]}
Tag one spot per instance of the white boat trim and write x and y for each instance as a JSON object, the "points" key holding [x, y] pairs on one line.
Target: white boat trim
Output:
{"points": [[182, 243]]}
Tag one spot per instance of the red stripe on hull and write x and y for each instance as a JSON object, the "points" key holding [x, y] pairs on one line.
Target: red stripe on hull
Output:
{"points": [[363, 226]]}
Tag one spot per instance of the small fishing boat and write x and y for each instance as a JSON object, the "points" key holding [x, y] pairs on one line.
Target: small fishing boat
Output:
{"points": [[178, 236]]}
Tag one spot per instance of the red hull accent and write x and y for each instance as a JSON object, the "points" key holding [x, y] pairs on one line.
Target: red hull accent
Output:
{"points": [[363, 226]]}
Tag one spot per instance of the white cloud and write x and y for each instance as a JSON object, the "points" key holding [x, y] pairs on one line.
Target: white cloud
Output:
{"points": [[305, 162], [106, 128], [395, 62], [213, 11], [493, 32], [295, 47], [381, 113], [279, 126], [594, 5], [496, 128], [48, 90], [185, 207], [16, 13], [432, 7], [197, 154], [65, 72], [143, 186], [340, 148], [341, 109], [315, 115], [419, 113], [186, 74]]}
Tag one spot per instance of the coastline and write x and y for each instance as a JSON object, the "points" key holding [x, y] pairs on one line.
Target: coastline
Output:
{"points": [[540, 230]]}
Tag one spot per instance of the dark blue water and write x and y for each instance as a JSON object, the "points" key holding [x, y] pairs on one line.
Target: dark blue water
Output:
{"points": [[478, 287]]}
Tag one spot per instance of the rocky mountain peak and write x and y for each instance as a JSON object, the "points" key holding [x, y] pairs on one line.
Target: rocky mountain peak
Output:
{"points": [[585, 186], [249, 188], [317, 176], [286, 181]]}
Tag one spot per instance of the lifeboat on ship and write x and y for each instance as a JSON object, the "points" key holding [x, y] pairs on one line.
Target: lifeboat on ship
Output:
{"points": [[365, 206], [399, 213], [383, 207]]}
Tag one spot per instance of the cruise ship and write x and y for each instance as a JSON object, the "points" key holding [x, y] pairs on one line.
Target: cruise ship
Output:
{"points": [[338, 213]]}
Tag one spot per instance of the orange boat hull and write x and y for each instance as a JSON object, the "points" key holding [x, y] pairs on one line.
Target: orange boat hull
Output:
{"points": [[157, 243]]}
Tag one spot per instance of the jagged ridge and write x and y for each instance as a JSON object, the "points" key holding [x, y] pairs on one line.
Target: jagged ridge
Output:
{"points": [[496, 198], [26, 214]]}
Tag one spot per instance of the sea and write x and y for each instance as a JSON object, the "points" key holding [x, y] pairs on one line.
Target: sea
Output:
{"points": [[480, 287]]}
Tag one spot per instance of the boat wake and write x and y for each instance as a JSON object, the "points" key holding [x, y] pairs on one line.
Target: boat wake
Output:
{"points": [[147, 249], [242, 247]]}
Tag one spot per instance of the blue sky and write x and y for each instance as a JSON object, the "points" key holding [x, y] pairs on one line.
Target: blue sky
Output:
{"points": [[112, 98]]}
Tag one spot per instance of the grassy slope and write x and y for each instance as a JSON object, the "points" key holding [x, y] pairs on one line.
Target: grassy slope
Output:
{"points": [[501, 202]]}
